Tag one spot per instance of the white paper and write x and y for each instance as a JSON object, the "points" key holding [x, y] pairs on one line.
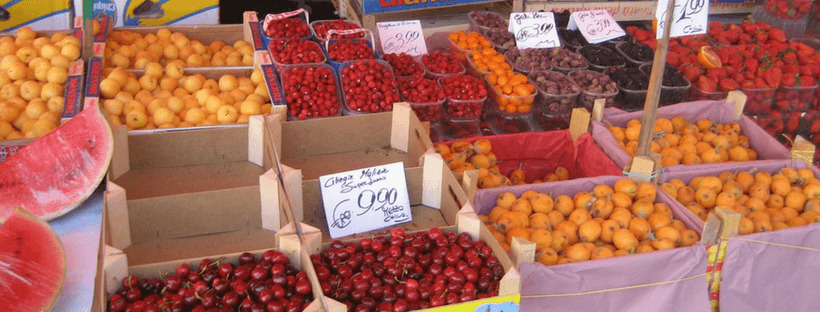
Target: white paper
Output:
{"points": [[691, 17], [596, 26], [402, 36], [534, 30], [363, 200]]}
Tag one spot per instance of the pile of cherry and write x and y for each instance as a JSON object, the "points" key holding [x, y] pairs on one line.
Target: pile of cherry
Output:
{"points": [[404, 272], [266, 283]]}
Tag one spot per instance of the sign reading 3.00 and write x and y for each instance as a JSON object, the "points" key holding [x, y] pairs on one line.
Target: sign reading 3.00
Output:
{"points": [[363, 200]]}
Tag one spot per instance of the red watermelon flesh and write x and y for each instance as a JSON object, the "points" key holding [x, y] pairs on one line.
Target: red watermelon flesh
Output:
{"points": [[57, 172], [32, 264]]}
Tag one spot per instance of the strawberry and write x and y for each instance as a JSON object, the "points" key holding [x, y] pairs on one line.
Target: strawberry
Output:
{"points": [[773, 76], [789, 57], [690, 71], [673, 59], [792, 124], [748, 27], [788, 80], [751, 64], [814, 128], [761, 37], [790, 69], [806, 81], [728, 84], [747, 84], [717, 72], [706, 84], [777, 35]]}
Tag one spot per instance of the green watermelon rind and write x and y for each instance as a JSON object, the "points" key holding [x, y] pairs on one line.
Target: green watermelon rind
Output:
{"points": [[37, 222], [98, 121]]}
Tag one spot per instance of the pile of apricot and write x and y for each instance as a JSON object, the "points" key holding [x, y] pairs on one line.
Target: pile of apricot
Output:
{"points": [[610, 221], [767, 202], [129, 49]]}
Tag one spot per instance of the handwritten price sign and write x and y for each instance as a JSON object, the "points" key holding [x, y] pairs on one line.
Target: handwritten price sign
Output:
{"points": [[690, 17], [402, 36], [596, 26], [534, 30], [367, 199]]}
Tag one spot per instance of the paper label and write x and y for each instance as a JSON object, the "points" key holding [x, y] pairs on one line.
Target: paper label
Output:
{"points": [[534, 30], [363, 200], [690, 18], [596, 26], [402, 37]]}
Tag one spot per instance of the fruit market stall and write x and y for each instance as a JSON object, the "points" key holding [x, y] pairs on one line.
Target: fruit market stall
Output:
{"points": [[449, 163]]}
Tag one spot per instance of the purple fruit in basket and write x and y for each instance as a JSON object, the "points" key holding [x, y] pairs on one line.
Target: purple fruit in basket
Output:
{"points": [[500, 37], [601, 56], [565, 58], [637, 51], [488, 19], [530, 59], [629, 78]]}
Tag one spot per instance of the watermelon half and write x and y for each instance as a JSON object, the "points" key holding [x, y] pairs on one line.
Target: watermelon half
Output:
{"points": [[56, 173], [32, 264]]}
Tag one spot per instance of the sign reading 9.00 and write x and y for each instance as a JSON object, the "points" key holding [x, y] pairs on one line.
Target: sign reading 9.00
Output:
{"points": [[363, 200]]}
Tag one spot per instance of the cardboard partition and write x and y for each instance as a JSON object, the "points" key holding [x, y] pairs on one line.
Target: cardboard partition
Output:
{"points": [[336, 144]]}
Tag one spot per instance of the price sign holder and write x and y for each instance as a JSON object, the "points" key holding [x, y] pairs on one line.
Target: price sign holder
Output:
{"points": [[596, 25], [367, 199], [534, 30], [690, 17], [402, 37]]}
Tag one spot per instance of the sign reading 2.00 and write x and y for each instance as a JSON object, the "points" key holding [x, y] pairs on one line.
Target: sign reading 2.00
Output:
{"points": [[367, 199]]}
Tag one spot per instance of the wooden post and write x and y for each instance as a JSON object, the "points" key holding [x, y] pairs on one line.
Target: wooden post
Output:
{"points": [[739, 98], [578, 123], [650, 107], [598, 110], [803, 150]]}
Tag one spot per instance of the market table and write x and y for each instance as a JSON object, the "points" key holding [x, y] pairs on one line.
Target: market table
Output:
{"points": [[79, 232]]}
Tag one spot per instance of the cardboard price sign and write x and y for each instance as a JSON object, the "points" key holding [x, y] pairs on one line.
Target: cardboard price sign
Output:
{"points": [[363, 200], [596, 26], [690, 17], [534, 30], [402, 37]]}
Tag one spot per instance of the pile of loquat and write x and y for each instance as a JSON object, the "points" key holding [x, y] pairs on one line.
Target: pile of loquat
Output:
{"points": [[609, 221]]}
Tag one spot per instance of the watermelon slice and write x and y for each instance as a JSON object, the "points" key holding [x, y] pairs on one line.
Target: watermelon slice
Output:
{"points": [[32, 264], [54, 174]]}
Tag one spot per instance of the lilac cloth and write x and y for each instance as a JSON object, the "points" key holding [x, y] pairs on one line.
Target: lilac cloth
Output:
{"points": [[638, 269], [718, 111], [761, 277]]}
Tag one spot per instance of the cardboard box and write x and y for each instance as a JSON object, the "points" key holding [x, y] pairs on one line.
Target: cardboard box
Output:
{"points": [[185, 193], [156, 12], [39, 15], [73, 96], [436, 201]]}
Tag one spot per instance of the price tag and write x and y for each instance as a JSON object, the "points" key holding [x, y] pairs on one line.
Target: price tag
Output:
{"points": [[535, 30], [596, 26], [402, 36], [363, 200], [690, 17]]}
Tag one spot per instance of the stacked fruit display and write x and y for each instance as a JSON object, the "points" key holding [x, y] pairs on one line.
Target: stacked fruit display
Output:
{"points": [[310, 91], [368, 86], [266, 283], [165, 97], [681, 142], [33, 75], [128, 49], [608, 221], [766, 201], [461, 156], [404, 272]]}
